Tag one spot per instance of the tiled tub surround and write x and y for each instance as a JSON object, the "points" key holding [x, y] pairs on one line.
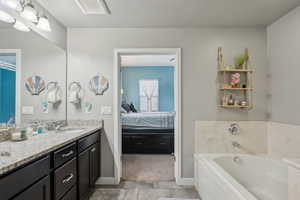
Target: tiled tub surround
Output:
{"points": [[273, 140], [214, 137], [37, 146], [246, 178], [283, 140]]}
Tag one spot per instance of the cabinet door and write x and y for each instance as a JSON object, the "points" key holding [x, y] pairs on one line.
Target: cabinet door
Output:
{"points": [[39, 191], [84, 174], [94, 163]]}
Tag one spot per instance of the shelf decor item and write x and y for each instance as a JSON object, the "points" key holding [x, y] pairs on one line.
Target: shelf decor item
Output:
{"points": [[35, 85], [239, 61], [235, 82], [99, 84]]}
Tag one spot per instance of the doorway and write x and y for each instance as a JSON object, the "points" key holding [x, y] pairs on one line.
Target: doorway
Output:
{"points": [[145, 104]]}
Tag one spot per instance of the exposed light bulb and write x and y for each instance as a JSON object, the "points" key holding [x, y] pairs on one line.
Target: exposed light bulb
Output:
{"points": [[6, 17], [29, 13], [44, 24], [21, 27], [13, 4]]}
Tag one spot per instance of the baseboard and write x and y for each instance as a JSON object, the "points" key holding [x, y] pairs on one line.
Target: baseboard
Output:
{"points": [[185, 181], [106, 181]]}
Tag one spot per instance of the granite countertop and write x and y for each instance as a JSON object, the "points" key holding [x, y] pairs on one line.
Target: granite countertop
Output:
{"points": [[294, 162], [37, 146]]}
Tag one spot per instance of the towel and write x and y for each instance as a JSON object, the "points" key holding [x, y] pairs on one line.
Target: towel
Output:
{"points": [[74, 97], [54, 96]]}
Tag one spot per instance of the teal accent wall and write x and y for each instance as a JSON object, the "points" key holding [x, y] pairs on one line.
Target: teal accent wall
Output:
{"points": [[130, 83], [7, 95]]}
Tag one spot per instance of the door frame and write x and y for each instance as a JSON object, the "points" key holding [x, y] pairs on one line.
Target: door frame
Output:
{"points": [[18, 81], [117, 150]]}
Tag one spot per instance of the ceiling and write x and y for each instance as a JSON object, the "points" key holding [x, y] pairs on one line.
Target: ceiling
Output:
{"points": [[147, 60], [173, 13]]}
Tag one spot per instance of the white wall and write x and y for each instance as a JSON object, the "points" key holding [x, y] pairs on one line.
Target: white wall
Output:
{"points": [[91, 52], [284, 68], [39, 57], [284, 65]]}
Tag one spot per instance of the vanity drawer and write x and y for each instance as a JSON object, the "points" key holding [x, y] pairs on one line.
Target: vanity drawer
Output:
{"points": [[88, 141], [64, 178], [19, 180], [65, 154], [71, 195]]}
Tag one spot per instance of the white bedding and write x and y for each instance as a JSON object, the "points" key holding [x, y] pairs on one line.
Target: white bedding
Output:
{"points": [[149, 119]]}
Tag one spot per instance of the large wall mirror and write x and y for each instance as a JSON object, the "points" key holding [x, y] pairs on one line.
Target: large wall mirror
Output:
{"points": [[32, 78]]}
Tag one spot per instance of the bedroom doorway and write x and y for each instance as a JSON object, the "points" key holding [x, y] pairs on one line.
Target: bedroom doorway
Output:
{"points": [[147, 118]]}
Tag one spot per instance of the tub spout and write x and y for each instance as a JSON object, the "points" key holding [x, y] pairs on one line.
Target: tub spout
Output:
{"points": [[236, 144], [236, 159]]}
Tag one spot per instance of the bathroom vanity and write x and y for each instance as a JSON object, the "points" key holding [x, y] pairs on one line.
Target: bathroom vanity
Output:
{"points": [[54, 166]]}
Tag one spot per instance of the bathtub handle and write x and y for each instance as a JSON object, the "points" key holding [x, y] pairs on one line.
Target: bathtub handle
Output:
{"points": [[234, 129]]}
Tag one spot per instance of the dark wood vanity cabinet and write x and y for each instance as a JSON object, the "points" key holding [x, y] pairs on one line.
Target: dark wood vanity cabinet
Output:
{"points": [[39, 191], [94, 163], [68, 173], [89, 166]]}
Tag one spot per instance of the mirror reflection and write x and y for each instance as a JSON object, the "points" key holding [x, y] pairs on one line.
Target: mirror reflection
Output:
{"points": [[32, 78]]}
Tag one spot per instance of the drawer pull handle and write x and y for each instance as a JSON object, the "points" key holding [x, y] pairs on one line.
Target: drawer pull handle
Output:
{"points": [[69, 178], [67, 154], [93, 149]]}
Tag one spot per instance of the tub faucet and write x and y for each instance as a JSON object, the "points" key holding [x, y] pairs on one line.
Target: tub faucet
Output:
{"points": [[236, 144], [234, 129], [236, 159]]}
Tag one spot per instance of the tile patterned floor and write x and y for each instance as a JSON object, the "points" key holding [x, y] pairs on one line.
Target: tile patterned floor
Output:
{"points": [[146, 177], [132, 190]]}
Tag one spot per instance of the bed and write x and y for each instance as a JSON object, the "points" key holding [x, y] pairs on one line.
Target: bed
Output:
{"points": [[148, 133]]}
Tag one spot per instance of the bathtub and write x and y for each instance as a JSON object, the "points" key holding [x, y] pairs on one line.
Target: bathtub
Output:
{"points": [[240, 177]]}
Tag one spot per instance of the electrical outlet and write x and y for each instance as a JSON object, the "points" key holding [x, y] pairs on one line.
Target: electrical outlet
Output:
{"points": [[106, 110], [27, 110]]}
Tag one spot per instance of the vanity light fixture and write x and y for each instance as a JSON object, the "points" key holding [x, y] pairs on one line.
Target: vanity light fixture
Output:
{"points": [[44, 24], [13, 4], [6, 17], [21, 27], [30, 13]]}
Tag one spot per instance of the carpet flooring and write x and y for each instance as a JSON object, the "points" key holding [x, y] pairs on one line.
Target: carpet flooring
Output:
{"points": [[148, 167]]}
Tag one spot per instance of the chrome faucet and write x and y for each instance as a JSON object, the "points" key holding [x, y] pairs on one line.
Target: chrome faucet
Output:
{"points": [[234, 129], [236, 144], [59, 125]]}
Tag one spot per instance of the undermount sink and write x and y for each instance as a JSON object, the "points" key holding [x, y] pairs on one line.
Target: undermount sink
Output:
{"points": [[70, 130]]}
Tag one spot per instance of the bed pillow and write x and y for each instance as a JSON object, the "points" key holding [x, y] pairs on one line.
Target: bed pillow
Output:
{"points": [[123, 110], [132, 108], [126, 107]]}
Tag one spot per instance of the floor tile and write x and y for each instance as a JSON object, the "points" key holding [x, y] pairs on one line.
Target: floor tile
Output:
{"points": [[135, 184], [107, 194], [169, 185]]}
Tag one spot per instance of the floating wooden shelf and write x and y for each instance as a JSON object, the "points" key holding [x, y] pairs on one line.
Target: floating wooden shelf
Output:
{"points": [[236, 70], [236, 106], [242, 89], [238, 95]]}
